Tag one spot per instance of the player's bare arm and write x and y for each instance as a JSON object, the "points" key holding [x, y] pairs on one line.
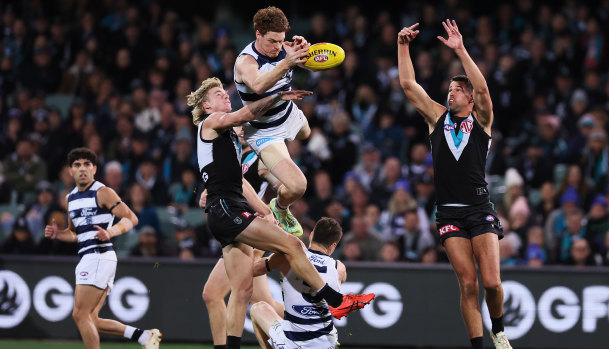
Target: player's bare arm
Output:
{"points": [[67, 235], [428, 108], [483, 110], [276, 261], [108, 199], [218, 122], [246, 68], [342, 271]]}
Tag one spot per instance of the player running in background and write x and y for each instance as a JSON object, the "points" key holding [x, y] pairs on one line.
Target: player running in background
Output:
{"points": [[92, 207], [460, 138], [231, 219], [308, 321], [263, 68]]}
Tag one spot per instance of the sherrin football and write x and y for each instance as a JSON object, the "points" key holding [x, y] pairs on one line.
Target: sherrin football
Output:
{"points": [[324, 56]]}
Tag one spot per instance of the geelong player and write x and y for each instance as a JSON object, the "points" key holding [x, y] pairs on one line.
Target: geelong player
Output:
{"points": [[263, 68], [308, 321], [460, 138], [92, 207], [232, 204]]}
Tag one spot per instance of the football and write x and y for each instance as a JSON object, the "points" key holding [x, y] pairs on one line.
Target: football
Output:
{"points": [[324, 56]]}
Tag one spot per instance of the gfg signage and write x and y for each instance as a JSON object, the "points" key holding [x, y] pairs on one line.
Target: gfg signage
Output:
{"points": [[558, 309], [53, 299]]}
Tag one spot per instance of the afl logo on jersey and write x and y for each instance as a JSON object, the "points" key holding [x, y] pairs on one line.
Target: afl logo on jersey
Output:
{"points": [[244, 168], [449, 127], [467, 126]]}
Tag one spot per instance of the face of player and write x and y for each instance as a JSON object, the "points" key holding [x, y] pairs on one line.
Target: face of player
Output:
{"points": [[270, 44], [217, 101], [459, 98], [83, 172]]}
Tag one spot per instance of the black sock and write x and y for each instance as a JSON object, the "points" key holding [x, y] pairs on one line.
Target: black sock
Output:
{"points": [[233, 342], [223, 346], [497, 324], [137, 334], [477, 343], [330, 295]]}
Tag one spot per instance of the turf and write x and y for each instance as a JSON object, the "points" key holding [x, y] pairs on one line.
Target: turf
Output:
{"points": [[50, 344]]}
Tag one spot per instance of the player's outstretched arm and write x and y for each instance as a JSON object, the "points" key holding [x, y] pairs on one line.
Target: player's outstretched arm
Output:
{"points": [[107, 198], [482, 98], [246, 67], [342, 271], [429, 109], [252, 111]]}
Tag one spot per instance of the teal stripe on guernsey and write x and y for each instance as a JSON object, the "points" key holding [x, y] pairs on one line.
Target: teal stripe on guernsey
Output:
{"points": [[457, 138]]}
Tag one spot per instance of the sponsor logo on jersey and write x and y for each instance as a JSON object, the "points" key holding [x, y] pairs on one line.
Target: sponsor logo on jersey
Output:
{"points": [[88, 212], [246, 214], [237, 220], [308, 310], [84, 274], [245, 168], [490, 218], [449, 127], [261, 141], [447, 228], [467, 126]]}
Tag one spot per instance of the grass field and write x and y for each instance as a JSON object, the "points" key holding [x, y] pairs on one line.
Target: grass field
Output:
{"points": [[50, 344]]}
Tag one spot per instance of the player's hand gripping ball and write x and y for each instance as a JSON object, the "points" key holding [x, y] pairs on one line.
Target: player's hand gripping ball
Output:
{"points": [[324, 56]]}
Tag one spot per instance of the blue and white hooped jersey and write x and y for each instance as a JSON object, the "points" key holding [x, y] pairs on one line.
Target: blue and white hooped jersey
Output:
{"points": [[85, 214], [308, 320], [265, 64]]}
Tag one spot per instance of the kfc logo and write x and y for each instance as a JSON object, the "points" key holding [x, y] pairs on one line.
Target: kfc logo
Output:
{"points": [[447, 228]]}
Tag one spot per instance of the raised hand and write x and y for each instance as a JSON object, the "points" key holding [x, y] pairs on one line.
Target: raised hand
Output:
{"points": [[299, 40], [203, 199], [50, 231], [294, 95], [296, 53], [407, 34], [455, 40], [102, 234]]}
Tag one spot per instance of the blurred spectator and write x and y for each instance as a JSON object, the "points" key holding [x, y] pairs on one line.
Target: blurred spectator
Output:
{"points": [[514, 188], [351, 251], [580, 254], [342, 147], [182, 194], [147, 175], [20, 241], [392, 219], [38, 213], [390, 252], [370, 166], [533, 167], [597, 223], [148, 244], [182, 157], [369, 243], [187, 246], [547, 204], [385, 135], [575, 179], [606, 250], [579, 140], [139, 200], [373, 218], [595, 159], [535, 254], [24, 169], [414, 241], [323, 194], [575, 230], [113, 177], [384, 185], [508, 249], [557, 221]]}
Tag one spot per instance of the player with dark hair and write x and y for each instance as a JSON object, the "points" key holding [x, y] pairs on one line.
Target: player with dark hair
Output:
{"points": [[232, 205], [91, 210], [460, 138], [316, 328]]}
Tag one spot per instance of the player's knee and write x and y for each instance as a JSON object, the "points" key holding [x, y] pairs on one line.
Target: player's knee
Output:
{"points": [[296, 186], [209, 297], [492, 288], [256, 308], [79, 315], [469, 288]]}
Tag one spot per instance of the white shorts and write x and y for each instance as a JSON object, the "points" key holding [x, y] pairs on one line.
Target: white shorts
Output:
{"points": [[97, 269], [259, 139], [278, 339]]}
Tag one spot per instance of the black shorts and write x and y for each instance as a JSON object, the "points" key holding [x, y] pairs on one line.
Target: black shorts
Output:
{"points": [[228, 218], [467, 221]]}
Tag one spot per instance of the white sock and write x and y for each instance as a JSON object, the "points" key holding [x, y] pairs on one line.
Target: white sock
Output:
{"points": [[129, 332], [144, 337]]}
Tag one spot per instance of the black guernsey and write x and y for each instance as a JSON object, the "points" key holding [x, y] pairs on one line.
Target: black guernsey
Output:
{"points": [[459, 159], [220, 166], [249, 166]]}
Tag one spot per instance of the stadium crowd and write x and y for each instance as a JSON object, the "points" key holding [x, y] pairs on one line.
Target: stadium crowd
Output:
{"points": [[126, 68]]}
